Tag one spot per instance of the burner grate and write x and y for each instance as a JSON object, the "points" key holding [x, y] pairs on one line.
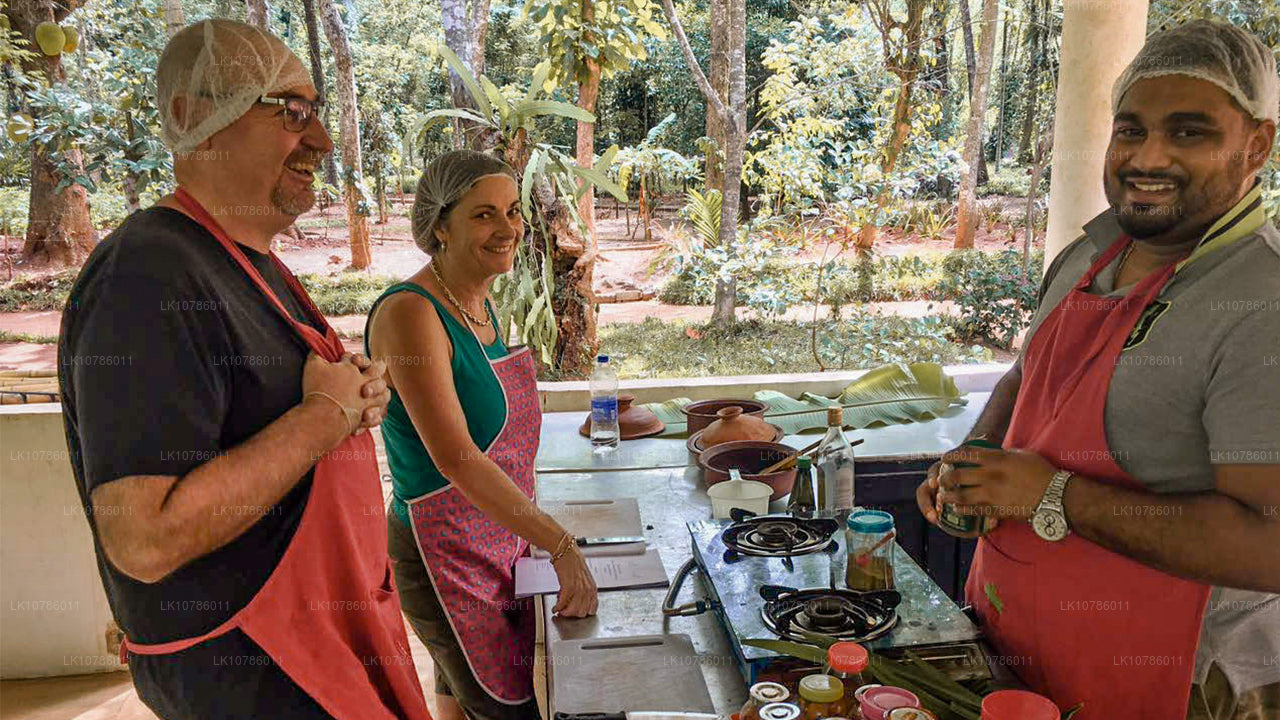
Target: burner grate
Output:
{"points": [[840, 614], [780, 536]]}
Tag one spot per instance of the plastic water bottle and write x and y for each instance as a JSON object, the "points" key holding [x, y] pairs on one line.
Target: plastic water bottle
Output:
{"points": [[604, 406]]}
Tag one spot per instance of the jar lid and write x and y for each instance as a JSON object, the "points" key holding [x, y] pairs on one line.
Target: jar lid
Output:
{"points": [[886, 698], [1018, 705], [804, 462], [779, 711], [857, 694], [870, 521], [821, 688], [848, 657], [910, 713], [769, 692]]}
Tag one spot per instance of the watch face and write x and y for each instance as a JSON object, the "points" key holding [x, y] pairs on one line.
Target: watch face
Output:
{"points": [[1049, 525]]}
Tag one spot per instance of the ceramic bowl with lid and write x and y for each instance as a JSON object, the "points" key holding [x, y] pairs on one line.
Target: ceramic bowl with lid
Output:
{"points": [[702, 413]]}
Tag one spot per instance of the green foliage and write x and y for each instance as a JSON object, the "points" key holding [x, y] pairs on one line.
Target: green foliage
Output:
{"points": [[994, 293], [13, 210], [651, 166], [346, 293], [612, 38], [660, 349], [44, 292]]}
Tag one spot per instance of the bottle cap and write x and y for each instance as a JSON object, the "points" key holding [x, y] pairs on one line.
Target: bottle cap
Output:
{"points": [[848, 657], [821, 688], [779, 711], [602, 358], [804, 463], [870, 521], [769, 692], [835, 416]]}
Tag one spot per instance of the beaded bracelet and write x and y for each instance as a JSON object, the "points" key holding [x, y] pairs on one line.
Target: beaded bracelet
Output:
{"points": [[566, 542]]}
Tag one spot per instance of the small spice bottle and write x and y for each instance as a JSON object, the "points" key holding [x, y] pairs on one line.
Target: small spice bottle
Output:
{"points": [[847, 661], [820, 696], [779, 711], [761, 694]]}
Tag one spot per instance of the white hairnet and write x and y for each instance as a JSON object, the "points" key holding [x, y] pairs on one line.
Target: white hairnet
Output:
{"points": [[1213, 51], [221, 67], [442, 184]]}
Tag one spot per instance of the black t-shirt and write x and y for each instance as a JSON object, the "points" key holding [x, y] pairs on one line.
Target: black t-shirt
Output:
{"points": [[169, 356]]}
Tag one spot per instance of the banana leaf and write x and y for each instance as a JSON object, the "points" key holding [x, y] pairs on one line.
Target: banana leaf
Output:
{"points": [[895, 393]]}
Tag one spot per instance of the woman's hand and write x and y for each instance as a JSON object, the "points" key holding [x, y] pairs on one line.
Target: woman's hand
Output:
{"points": [[577, 587]]}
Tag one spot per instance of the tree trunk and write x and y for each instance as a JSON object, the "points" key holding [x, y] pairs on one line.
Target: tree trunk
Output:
{"points": [[1037, 170], [966, 216], [317, 79], [966, 22], [906, 65], [735, 144], [174, 20], [734, 116], [588, 92], [258, 12], [718, 68], [465, 23], [1035, 48], [349, 123], [59, 227], [1004, 85]]}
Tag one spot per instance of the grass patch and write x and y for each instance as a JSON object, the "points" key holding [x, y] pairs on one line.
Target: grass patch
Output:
{"points": [[6, 336], [346, 293], [40, 293], [656, 349]]}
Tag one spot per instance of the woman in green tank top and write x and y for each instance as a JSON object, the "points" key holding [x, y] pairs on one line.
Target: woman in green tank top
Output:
{"points": [[458, 392]]}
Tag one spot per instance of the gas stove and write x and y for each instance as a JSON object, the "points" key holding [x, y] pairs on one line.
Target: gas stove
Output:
{"points": [[772, 577]]}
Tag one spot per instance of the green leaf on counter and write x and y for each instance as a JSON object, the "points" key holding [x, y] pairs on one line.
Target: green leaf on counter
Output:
{"points": [[794, 649]]}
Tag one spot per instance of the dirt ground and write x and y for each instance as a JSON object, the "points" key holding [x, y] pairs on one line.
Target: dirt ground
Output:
{"points": [[626, 261]]}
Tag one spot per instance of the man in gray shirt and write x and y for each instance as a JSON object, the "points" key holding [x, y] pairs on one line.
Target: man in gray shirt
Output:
{"points": [[1191, 402]]}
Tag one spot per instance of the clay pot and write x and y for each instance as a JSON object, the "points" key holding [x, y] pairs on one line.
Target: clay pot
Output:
{"points": [[702, 413], [633, 421], [733, 425], [697, 442], [749, 457]]}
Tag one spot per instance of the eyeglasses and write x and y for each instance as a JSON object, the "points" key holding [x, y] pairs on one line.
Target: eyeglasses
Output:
{"points": [[297, 111]]}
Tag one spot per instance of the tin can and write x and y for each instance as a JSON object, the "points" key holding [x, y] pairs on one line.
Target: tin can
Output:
{"points": [[958, 524]]}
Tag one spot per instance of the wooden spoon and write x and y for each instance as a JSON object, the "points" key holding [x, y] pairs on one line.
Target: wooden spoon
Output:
{"points": [[786, 462]]}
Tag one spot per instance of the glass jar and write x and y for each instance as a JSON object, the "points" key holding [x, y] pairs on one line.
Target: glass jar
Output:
{"points": [[820, 696], [779, 711], [869, 567], [847, 661], [761, 694]]}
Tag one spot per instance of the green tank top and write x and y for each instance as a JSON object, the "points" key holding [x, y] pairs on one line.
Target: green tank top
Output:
{"points": [[413, 474]]}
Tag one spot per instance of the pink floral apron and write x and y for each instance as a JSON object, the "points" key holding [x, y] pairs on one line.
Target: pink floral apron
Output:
{"points": [[471, 559]]}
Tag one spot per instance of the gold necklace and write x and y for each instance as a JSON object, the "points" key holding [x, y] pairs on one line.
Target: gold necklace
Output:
{"points": [[449, 294], [1124, 258]]}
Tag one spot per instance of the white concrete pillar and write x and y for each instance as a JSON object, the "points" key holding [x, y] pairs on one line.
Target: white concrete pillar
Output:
{"points": [[1099, 39]]}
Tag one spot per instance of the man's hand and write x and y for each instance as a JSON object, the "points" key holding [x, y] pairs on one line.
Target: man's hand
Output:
{"points": [[353, 381], [1004, 483], [375, 388]]}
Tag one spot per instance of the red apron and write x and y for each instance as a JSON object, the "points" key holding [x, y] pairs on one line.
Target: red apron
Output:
{"points": [[1078, 622], [471, 559], [328, 615]]}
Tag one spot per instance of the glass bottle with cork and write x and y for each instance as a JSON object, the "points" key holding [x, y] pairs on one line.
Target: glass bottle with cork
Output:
{"points": [[834, 461]]}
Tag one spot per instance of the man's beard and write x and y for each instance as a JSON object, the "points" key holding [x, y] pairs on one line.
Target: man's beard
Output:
{"points": [[292, 204], [1141, 221]]}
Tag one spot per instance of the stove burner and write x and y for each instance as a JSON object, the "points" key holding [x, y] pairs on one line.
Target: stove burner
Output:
{"points": [[779, 536], [839, 614]]}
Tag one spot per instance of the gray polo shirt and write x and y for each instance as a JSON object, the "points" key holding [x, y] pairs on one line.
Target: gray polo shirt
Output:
{"points": [[1201, 388]]}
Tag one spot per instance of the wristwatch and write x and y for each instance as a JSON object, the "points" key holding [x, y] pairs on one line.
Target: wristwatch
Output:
{"points": [[1050, 518]]}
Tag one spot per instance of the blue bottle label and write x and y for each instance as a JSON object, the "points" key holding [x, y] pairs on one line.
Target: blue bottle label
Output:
{"points": [[604, 410]]}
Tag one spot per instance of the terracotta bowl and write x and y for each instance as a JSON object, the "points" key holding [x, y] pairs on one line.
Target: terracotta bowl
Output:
{"points": [[702, 413], [634, 421], [749, 457], [696, 448]]}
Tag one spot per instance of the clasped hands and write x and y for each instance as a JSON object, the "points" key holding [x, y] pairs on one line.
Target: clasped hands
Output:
{"points": [[354, 384]]}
